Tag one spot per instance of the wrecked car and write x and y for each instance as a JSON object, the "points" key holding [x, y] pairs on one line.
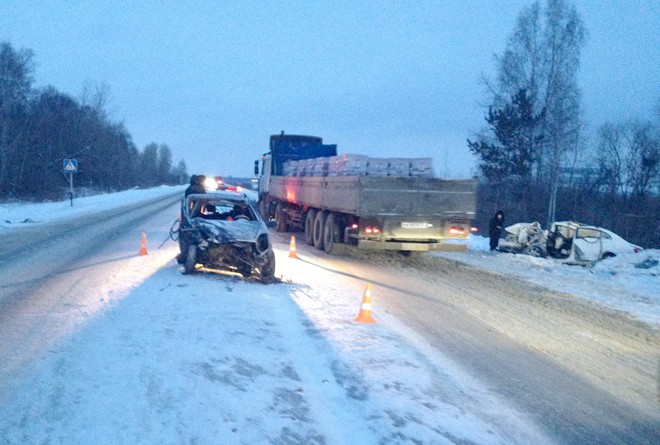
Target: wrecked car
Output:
{"points": [[576, 243], [223, 230], [526, 238]]}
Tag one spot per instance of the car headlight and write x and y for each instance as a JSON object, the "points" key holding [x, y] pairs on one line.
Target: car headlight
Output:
{"points": [[262, 243]]}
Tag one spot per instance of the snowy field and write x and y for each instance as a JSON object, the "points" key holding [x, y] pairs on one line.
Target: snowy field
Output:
{"points": [[613, 282]]}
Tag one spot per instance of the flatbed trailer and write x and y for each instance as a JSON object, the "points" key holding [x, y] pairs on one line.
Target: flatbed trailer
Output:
{"points": [[406, 213]]}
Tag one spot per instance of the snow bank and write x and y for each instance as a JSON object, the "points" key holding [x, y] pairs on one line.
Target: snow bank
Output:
{"points": [[627, 282], [16, 214]]}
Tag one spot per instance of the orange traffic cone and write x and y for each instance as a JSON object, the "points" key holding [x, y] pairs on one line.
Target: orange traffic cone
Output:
{"points": [[292, 248], [143, 245], [365, 310]]}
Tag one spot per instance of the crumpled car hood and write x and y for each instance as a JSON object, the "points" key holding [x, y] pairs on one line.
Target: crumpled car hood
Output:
{"points": [[231, 231]]}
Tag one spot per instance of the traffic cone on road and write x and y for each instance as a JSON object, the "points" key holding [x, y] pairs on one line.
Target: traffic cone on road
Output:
{"points": [[292, 248], [365, 310], [143, 245]]}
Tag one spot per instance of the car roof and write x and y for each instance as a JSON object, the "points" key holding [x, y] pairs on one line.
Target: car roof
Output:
{"points": [[229, 196], [578, 225]]}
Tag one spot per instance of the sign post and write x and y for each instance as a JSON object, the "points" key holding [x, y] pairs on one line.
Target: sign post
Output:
{"points": [[70, 167]]}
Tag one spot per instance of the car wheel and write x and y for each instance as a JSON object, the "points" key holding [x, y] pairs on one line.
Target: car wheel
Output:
{"points": [[607, 255], [267, 270], [330, 233], [319, 223], [183, 248], [181, 257], [536, 251], [309, 227], [281, 218], [191, 260]]}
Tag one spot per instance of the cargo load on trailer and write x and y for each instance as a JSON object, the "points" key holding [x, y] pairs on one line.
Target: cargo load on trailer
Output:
{"points": [[370, 202]]}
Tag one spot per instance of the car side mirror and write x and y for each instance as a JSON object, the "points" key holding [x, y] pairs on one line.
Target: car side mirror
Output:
{"points": [[256, 168], [271, 223]]}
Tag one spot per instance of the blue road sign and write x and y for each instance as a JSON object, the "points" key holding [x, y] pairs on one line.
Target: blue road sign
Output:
{"points": [[70, 166]]}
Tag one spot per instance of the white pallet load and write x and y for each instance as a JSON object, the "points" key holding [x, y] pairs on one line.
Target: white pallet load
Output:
{"points": [[421, 167], [290, 168], [320, 167], [332, 165], [309, 167], [398, 167], [377, 166], [301, 169], [347, 165]]}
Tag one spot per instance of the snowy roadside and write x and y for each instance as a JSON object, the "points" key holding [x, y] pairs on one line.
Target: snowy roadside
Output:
{"points": [[14, 215], [614, 282]]}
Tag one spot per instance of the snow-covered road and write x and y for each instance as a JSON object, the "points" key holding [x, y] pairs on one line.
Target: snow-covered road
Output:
{"points": [[112, 347]]}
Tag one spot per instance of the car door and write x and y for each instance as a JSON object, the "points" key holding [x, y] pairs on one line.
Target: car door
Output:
{"points": [[587, 244]]}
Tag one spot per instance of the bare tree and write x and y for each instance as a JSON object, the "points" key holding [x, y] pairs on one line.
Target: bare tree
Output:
{"points": [[542, 57], [643, 159], [611, 155]]}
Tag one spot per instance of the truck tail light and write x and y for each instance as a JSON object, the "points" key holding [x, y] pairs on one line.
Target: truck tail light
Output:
{"points": [[456, 231], [473, 229], [354, 226]]}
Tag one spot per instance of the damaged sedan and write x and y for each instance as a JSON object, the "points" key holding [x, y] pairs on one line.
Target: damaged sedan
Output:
{"points": [[567, 241], [224, 231]]}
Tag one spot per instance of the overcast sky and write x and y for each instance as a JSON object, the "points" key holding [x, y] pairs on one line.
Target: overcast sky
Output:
{"points": [[214, 79]]}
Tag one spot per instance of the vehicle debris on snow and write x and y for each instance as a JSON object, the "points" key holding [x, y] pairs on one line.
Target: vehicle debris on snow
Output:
{"points": [[570, 242]]}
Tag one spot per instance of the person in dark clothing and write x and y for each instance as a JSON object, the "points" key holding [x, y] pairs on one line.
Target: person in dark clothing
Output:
{"points": [[496, 226], [196, 185]]}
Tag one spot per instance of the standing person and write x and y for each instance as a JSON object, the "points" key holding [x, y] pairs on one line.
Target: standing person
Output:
{"points": [[496, 226], [196, 185]]}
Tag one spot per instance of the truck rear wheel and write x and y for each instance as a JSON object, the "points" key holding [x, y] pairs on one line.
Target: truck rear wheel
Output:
{"points": [[281, 218], [330, 233], [309, 227], [319, 223]]}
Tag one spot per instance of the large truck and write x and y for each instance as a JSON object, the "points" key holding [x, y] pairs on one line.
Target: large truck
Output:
{"points": [[371, 211]]}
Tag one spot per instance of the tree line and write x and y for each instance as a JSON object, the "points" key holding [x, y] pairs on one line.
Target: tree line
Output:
{"points": [[536, 162], [41, 127]]}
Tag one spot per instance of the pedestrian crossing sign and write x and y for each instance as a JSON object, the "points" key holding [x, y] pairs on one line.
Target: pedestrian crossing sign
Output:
{"points": [[70, 166]]}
